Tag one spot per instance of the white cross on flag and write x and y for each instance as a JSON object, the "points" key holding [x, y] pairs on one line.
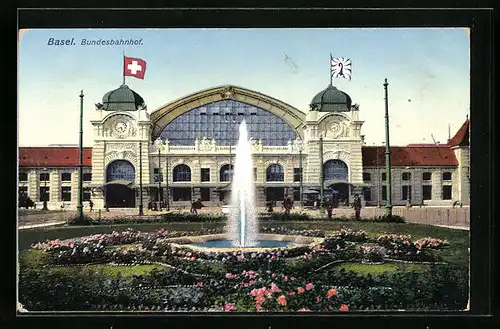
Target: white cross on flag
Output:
{"points": [[134, 67], [341, 67]]}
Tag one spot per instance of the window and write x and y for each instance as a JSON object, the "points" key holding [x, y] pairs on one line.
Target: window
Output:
{"points": [[254, 174], [66, 193], [367, 177], [275, 193], [447, 175], [22, 192], [405, 190], [86, 194], [181, 193], [44, 193], [367, 194], [226, 173], [384, 193], [384, 176], [205, 174], [23, 177], [44, 177], [426, 176], [427, 192], [182, 173], [66, 177], [406, 176], [157, 176], [447, 192], [120, 170], [296, 174], [87, 177], [296, 194], [335, 170], [275, 173], [205, 194]]}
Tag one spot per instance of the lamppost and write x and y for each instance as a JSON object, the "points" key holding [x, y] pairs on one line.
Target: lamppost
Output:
{"points": [[141, 211], [300, 146], [166, 183], [409, 188], [388, 205], [378, 177], [45, 189], [159, 172]]}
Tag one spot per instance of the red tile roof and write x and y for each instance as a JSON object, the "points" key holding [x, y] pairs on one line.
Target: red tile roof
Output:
{"points": [[461, 138], [53, 156], [435, 155]]}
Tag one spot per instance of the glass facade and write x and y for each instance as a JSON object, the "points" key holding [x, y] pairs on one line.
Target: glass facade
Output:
{"points": [[275, 173], [335, 170], [220, 121], [226, 173], [182, 173], [120, 170]]}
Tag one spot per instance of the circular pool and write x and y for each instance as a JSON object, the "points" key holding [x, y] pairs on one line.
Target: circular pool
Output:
{"points": [[223, 243]]}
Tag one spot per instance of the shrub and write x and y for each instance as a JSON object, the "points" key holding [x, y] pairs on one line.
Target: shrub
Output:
{"points": [[389, 219]]}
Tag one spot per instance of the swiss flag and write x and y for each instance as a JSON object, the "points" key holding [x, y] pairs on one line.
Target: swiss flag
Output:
{"points": [[134, 67]]}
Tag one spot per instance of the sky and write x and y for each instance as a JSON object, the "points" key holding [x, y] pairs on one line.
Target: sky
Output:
{"points": [[427, 71]]}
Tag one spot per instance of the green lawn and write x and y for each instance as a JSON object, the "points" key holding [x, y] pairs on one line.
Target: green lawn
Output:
{"points": [[377, 269]]}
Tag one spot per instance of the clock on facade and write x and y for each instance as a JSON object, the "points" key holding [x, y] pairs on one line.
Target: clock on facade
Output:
{"points": [[121, 127]]}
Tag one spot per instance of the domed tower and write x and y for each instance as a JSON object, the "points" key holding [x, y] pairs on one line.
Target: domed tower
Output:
{"points": [[333, 117], [121, 136]]}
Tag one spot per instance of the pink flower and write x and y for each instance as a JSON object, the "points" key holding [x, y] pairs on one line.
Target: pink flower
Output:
{"points": [[330, 307], [253, 292], [292, 278], [395, 251], [229, 276], [318, 299], [285, 278], [258, 307], [274, 288], [251, 282], [291, 293], [343, 308], [332, 292], [245, 284], [300, 290], [281, 300], [309, 286], [304, 310], [228, 307], [273, 275], [259, 299], [199, 284]]}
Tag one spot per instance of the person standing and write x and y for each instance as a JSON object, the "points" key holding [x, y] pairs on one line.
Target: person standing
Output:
{"points": [[329, 208], [91, 205], [357, 206]]}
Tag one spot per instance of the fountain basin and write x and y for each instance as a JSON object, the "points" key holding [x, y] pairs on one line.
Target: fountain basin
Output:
{"points": [[223, 243]]}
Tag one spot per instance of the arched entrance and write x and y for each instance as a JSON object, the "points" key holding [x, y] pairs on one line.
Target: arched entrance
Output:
{"points": [[336, 176], [120, 174]]}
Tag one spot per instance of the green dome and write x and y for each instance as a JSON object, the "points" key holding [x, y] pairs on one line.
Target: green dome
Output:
{"points": [[122, 99], [331, 100]]}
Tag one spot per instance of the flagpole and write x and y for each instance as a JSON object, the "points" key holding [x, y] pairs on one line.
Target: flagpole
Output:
{"points": [[79, 206], [123, 66], [331, 72]]}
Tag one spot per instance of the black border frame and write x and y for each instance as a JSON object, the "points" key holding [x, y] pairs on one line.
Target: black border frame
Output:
{"points": [[480, 22]]}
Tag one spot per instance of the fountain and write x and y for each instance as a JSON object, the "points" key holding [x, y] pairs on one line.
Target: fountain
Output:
{"points": [[243, 225], [243, 229]]}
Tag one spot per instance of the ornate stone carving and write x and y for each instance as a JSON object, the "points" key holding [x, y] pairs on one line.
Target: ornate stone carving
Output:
{"points": [[121, 147], [228, 92], [120, 126], [206, 145]]}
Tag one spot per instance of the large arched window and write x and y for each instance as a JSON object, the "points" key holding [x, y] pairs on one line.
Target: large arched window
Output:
{"points": [[120, 170], [182, 173], [220, 120], [226, 173], [275, 173], [335, 170]]}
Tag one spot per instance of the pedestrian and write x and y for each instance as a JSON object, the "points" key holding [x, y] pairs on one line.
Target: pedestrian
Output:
{"points": [[329, 209], [287, 206], [195, 206], [357, 206], [91, 205], [150, 205], [62, 205], [269, 206]]}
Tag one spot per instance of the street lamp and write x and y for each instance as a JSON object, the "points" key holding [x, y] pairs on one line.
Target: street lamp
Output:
{"points": [[300, 146], [158, 145], [44, 170], [166, 183], [408, 187]]}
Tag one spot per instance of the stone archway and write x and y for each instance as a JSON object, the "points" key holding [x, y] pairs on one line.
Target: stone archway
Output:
{"points": [[120, 174]]}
